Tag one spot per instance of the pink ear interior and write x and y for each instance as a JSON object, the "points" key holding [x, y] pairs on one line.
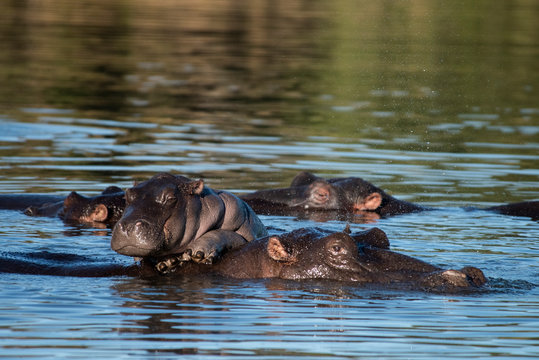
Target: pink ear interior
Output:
{"points": [[371, 202], [276, 250], [100, 213], [198, 187]]}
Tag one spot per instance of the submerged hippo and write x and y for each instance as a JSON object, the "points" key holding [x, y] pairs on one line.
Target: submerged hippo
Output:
{"points": [[525, 208], [104, 208], [311, 192], [22, 201], [309, 253], [352, 195], [314, 253], [170, 214]]}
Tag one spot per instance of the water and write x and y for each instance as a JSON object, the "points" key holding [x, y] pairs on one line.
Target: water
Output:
{"points": [[436, 103]]}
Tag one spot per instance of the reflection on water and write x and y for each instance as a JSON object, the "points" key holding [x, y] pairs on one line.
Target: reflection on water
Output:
{"points": [[265, 318], [435, 102]]}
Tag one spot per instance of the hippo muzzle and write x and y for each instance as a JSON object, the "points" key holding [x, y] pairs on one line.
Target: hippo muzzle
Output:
{"points": [[138, 239]]}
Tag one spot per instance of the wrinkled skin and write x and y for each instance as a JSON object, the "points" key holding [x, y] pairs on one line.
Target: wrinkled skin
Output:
{"points": [[309, 253], [170, 215], [105, 208], [314, 253], [309, 192]]}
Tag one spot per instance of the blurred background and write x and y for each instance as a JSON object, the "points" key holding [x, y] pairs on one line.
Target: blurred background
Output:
{"points": [[436, 101]]}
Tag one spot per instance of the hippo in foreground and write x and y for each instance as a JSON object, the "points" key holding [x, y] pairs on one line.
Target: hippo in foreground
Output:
{"points": [[169, 215], [360, 258], [309, 192], [314, 253]]}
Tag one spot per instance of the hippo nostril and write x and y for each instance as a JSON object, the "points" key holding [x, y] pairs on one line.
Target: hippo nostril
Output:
{"points": [[121, 225], [141, 224]]}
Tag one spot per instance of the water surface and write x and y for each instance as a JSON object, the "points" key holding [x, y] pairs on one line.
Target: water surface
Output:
{"points": [[437, 103]]}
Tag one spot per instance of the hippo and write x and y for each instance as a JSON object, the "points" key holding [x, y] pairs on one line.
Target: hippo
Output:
{"points": [[104, 208], [362, 258], [67, 264], [172, 214], [316, 253], [309, 192], [20, 202], [524, 208]]}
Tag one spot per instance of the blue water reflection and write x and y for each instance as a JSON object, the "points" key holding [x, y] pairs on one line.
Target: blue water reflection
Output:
{"points": [[435, 103]]}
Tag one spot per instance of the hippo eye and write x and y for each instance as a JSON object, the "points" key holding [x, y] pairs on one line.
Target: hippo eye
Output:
{"points": [[321, 196], [337, 248], [167, 199]]}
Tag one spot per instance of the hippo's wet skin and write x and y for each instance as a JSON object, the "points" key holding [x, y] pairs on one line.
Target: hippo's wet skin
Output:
{"points": [[309, 192], [104, 208], [169, 214], [525, 208], [314, 253], [308, 253], [22, 201]]}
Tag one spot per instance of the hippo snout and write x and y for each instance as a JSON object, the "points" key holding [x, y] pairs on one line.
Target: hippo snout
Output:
{"points": [[135, 238]]}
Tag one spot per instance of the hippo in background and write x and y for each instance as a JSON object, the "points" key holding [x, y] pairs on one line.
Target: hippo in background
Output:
{"points": [[171, 215], [20, 202], [315, 253], [105, 208], [309, 192], [525, 208]]}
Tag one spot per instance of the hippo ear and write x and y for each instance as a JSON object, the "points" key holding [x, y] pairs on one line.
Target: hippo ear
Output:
{"points": [[193, 187], [99, 213], [371, 202], [304, 178], [277, 251]]}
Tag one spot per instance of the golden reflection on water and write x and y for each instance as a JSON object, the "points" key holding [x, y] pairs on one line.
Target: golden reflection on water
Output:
{"points": [[190, 80]]}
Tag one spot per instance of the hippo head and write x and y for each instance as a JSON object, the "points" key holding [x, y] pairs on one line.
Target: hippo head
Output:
{"points": [[320, 195], [336, 256], [358, 195], [106, 207], [157, 216], [360, 257], [348, 194]]}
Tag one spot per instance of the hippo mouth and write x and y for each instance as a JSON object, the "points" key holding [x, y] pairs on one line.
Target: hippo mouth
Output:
{"points": [[132, 250], [131, 243]]}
